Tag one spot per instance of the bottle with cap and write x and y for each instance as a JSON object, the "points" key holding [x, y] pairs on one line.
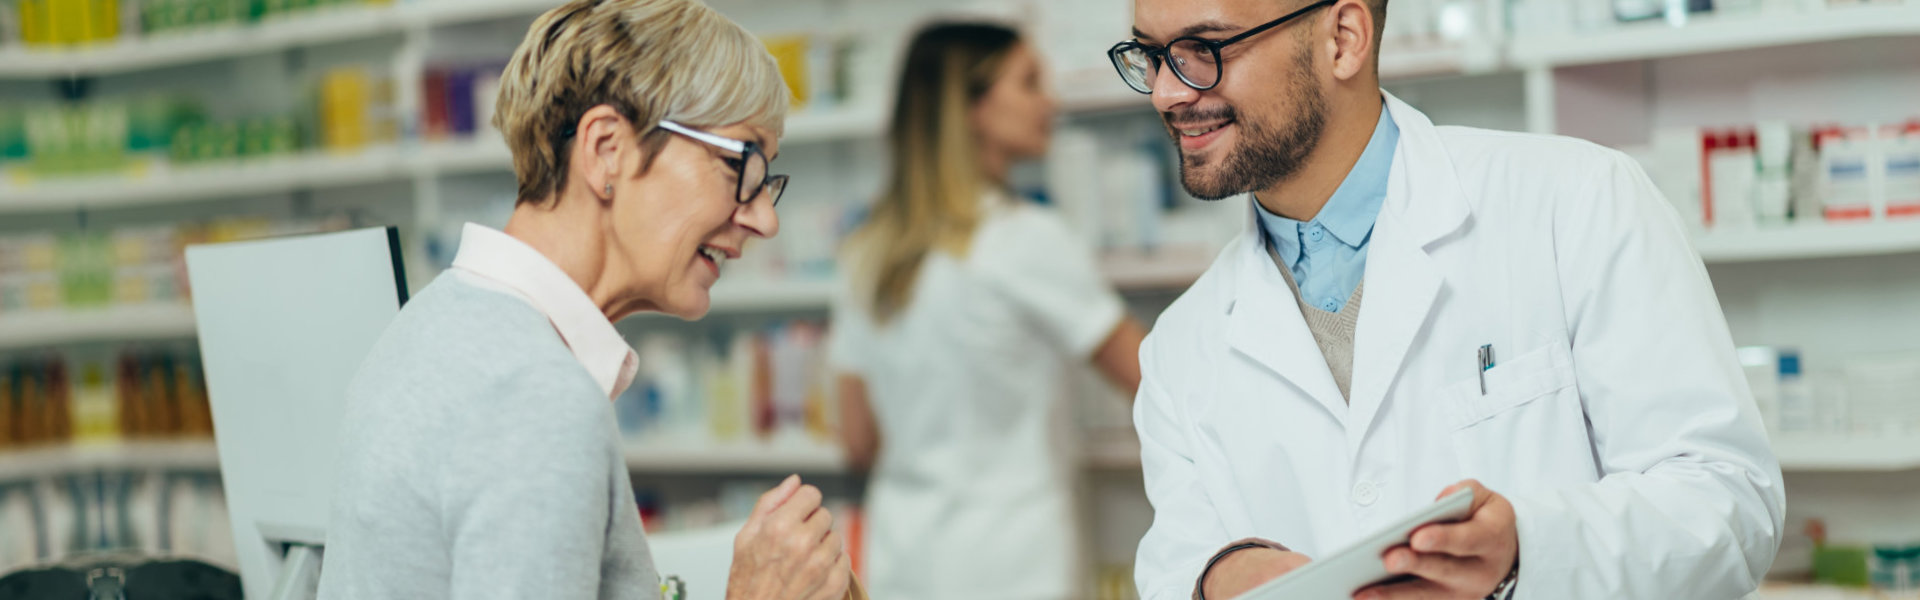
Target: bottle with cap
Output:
{"points": [[1797, 411]]}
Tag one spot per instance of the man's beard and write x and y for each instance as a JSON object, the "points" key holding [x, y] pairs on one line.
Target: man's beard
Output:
{"points": [[1265, 156]]}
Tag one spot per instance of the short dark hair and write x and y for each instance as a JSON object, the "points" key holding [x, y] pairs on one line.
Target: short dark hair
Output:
{"points": [[1379, 8]]}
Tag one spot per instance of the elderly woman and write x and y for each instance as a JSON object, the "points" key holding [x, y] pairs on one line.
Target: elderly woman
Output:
{"points": [[480, 457]]}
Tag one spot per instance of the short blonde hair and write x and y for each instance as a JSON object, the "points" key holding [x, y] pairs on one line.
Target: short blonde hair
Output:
{"points": [[651, 60]]}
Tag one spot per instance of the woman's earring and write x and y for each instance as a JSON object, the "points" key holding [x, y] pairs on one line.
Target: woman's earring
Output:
{"points": [[609, 191]]}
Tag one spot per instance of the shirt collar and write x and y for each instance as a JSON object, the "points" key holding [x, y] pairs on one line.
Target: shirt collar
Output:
{"points": [[516, 268], [1350, 213]]}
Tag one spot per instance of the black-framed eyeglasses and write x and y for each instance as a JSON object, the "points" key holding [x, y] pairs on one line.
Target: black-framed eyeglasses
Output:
{"points": [[1195, 61], [751, 164]]}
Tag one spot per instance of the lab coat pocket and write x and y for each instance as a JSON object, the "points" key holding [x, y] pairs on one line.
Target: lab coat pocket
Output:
{"points": [[1511, 384]]}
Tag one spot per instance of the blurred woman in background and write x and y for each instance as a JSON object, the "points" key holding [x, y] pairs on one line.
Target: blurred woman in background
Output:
{"points": [[964, 312]]}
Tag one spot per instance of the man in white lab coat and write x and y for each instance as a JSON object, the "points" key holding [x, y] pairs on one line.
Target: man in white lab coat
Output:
{"points": [[1415, 309]]}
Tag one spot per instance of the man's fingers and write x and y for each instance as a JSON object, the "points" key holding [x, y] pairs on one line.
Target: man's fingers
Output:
{"points": [[1480, 494], [1469, 538], [776, 496], [1418, 589], [1450, 571]]}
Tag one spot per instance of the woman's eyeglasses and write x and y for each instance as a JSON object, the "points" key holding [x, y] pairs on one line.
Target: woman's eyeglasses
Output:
{"points": [[751, 164]]}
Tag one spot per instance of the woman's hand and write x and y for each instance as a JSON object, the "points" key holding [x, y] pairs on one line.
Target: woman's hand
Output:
{"points": [[787, 550]]}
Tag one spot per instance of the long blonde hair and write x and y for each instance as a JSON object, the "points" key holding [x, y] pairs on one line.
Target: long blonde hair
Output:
{"points": [[932, 200]]}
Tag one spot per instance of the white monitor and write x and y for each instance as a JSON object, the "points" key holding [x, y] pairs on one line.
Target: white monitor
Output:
{"points": [[284, 324]]}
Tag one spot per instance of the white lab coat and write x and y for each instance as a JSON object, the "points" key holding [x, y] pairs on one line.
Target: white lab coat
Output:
{"points": [[972, 495], [1616, 419]]}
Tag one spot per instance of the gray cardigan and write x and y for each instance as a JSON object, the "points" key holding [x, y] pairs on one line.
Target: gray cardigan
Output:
{"points": [[478, 459]]}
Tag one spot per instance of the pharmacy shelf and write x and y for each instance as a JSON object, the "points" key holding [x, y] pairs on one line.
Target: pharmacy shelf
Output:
{"points": [[446, 12], [852, 122], [744, 295], [167, 322], [50, 328], [1411, 61], [1822, 240], [308, 28], [320, 26], [1162, 270], [1717, 33], [756, 458], [1813, 453], [201, 182], [318, 170], [1115, 451], [173, 455], [478, 155]]}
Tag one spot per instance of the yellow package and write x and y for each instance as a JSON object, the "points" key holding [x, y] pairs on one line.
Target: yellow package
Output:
{"points": [[790, 52], [101, 19], [343, 109]]}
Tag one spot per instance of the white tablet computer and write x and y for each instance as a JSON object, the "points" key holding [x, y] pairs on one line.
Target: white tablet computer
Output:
{"points": [[1337, 576]]}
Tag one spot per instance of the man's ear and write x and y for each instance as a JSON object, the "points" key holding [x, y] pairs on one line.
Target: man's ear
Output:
{"points": [[1354, 45]]}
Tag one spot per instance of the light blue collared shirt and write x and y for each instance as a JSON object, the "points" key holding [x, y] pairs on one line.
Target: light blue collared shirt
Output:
{"points": [[1328, 255]]}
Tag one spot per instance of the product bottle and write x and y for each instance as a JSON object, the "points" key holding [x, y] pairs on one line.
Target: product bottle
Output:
{"points": [[1774, 181], [1762, 367], [1797, 412]]}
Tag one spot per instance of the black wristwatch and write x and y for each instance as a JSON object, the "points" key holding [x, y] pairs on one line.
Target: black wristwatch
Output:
{"points": [[1199, 586]]}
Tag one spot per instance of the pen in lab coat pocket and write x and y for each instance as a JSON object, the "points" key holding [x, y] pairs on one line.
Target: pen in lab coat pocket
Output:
{"points": [[1486, 362]]}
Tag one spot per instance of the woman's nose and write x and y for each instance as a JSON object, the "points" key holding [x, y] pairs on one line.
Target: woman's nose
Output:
{"points": [[758, 216]]}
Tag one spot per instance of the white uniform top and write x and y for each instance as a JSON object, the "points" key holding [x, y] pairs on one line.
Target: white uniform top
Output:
{"points": [[971, 494], [1614, 415]]}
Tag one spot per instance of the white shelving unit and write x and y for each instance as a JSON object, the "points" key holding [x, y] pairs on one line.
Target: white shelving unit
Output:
{"points": [[1173, 269], [160, 322], [18, 464], [155, 322], [744, 295], [321, 170], [1716, 33], [851, 122], [310, 28], [1818, 453], [189, 183], [182, 47], [1810, 241]]}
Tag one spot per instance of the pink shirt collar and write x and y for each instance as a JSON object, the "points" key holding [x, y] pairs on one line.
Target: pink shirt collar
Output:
{"points": [[497, 261]]}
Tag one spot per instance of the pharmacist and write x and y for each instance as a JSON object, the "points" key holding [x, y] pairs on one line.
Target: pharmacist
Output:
{"points": [[1414, 309]]}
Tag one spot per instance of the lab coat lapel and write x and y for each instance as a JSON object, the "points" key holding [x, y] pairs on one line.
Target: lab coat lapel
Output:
{"points": [[1424, 206], [1264, 323]]}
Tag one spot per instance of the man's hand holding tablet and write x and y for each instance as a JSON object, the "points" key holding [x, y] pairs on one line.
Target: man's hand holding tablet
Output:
{"points": [[1470, 559], [1464, 546]]}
